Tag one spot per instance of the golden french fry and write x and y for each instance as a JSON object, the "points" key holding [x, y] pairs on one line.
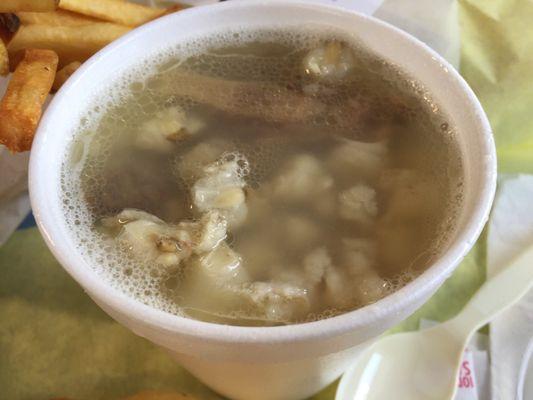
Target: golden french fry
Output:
{"points": [[151, 395], [71, 43], [113, 10], [21, 107], [64, 73], [4, 59], [9, 25], [55, 18], [28, 5], [175, 8]]}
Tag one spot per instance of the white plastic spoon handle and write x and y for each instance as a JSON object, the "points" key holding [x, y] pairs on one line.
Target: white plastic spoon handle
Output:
{"points": [[498, 293]]}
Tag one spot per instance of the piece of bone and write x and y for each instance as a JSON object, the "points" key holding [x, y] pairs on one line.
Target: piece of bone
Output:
{"points": [[332, 61]]}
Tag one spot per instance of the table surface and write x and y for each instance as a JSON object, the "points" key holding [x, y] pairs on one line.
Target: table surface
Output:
{"points": [[55, 342]]}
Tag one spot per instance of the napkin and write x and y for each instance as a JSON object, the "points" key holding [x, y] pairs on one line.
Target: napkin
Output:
{"points": [[54, 342], [14, 200], [510, 232]]}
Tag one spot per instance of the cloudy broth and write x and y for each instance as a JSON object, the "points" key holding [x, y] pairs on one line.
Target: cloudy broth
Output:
{"points": [[263, 178]]}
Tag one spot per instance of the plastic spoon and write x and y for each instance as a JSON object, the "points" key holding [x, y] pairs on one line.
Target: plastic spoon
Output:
{"points": [[424, 364]]}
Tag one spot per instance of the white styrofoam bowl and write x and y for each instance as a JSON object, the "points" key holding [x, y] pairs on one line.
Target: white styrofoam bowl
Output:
{"points": [[286, 362]]}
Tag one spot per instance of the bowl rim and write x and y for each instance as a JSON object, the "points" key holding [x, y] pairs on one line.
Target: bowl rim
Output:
{"points": [[342, 324]]}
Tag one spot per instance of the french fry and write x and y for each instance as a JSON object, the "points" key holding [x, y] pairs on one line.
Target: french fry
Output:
{"points": [[28, 5], [174, 8], [55, 18], [113, 11], [9, 25], [71, 43], [4, 59], [21, 107], [64, 73]]}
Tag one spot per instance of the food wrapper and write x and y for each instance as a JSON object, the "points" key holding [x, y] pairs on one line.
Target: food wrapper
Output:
{"points": [[55, 342]]}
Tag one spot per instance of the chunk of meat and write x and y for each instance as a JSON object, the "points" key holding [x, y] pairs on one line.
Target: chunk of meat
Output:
{"points": [[300, 232], [316, 264], [342, 287], [194, 124], [351, 160], [310, 274], [190, 166], [411, 195], [221, 188], [343, 291], [211, 280], [276, 301], [337, 293], [263, 100], [168, 126], [212, 230], [358, 255], [156, 241], [300, 179], [318, 269], [220, 267], [358, 204], [332, 61], [151, 238], [361, 257]]}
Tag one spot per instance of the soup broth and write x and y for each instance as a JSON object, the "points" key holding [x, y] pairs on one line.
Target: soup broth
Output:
{"points": [[263, 178]]}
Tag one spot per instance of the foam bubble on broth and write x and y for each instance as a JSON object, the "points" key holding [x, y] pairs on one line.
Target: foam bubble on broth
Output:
{"points": [[139, 93]]}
